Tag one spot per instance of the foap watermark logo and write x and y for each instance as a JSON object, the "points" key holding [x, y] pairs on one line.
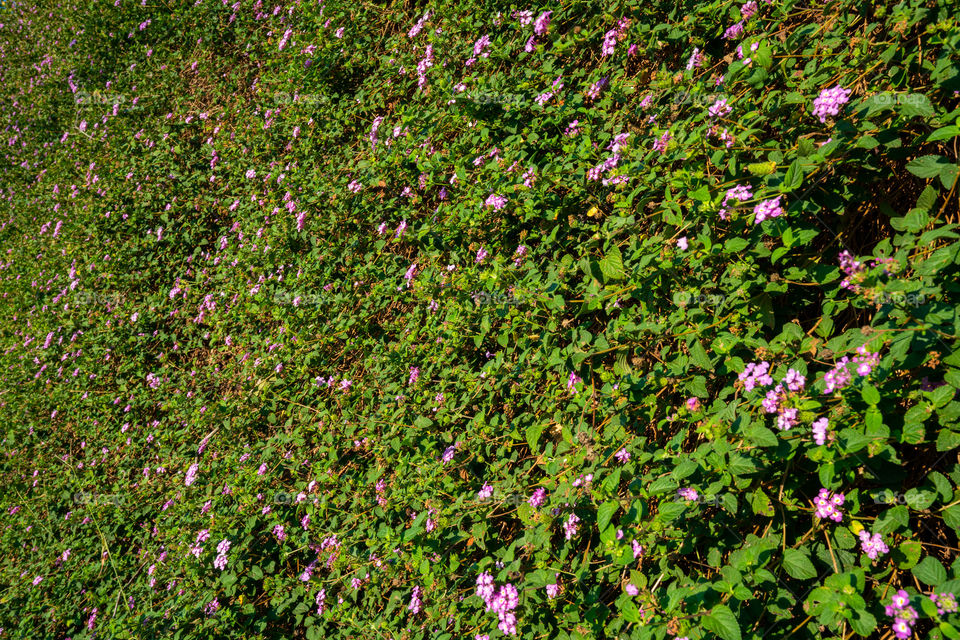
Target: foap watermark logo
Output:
{"points": [[898, 299], [279, 98], [298, 299], [87, 497], [491, 97], [698, 298], [888, 99], [283, 498], [484, 298], [81, 298], [501, 498], [99, 99], [710, 501], [696, 98], [913, 499]]}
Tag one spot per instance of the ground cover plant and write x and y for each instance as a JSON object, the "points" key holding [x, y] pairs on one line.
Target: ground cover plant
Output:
{"points": [[616, 319]]}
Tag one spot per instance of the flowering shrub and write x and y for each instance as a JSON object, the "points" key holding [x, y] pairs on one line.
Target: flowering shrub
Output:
{"points": [[582, 320]]}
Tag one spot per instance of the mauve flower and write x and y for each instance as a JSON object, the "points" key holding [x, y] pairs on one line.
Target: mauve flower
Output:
{"points": [[829, 102], [496, 201], [767, 209], [719, 108], [820, 430], [538, 498], [828, 505], [542, 23]]}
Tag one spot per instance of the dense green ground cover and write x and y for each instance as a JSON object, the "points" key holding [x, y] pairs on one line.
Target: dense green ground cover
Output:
{"points": [[384, 320]]}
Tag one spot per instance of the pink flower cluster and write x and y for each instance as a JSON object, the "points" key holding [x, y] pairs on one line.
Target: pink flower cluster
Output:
{"points": [[945, 602], [755, 375], [540, 27], [553, 590], [740, 193], [610, 37], [903, 614], [829, 101], [486, 491], [501, 601], [415, 602], [572, 382], [220, 562], [719, 108], [820, 431], [767, 209], [538, 498], [839, 377], [775, 400], [851, 268], [660, 144], [828, 505], [872, 545], [496, 201]]}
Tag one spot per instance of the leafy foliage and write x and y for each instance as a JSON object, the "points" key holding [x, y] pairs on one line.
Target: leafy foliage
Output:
{"points": [[315, 313]]}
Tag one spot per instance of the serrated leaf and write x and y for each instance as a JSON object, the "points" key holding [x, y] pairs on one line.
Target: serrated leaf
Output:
{"points": [[699, 355], [863, 622], [798, 565], [605, 513], [930, 571], [870, 394], [927, 166], [761, 436], [612, 264], [951, 517], [533, 436], [722, 622], [911, 550], [944, 133]]}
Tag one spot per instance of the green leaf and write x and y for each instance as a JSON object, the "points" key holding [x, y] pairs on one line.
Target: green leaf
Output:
{"points": [[612, 264], [605, 513], [722, 622], [927, 166], [893, 519], [533, 436], [863, 622], [630, 611], [699, 355], [911, 550], [663, 485], [761, 504], [951, 517], [670, 510], [948, 175], [947, 440], [762, 168], [761, 436], [944, 133], [928, 607], [916, 104], [949, 630], [797, 564], [930, 571]]}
